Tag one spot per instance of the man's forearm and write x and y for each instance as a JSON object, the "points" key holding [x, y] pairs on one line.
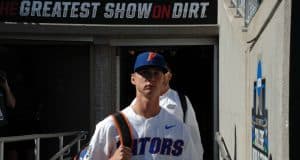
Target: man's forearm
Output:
{"points": [[10, 98]]}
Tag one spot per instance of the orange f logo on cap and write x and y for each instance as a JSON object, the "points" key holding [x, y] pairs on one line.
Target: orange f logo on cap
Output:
{"points": [[151, 56]]}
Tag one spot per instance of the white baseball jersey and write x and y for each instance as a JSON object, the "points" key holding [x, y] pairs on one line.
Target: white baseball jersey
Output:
{"points": [[162, 137], [171, 102]]}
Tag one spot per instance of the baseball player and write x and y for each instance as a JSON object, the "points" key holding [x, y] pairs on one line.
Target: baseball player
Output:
{"points": [[171, 102], [157, 134]]}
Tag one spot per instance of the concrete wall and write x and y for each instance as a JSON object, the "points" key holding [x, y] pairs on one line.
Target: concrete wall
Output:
{"points": [[237, 70]]}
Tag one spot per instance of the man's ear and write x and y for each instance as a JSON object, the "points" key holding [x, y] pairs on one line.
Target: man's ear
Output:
{"points": [[171, 75], [132, 79]]}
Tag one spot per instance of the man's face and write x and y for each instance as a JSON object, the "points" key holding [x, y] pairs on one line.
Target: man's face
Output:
{"points": [[148, 81]]}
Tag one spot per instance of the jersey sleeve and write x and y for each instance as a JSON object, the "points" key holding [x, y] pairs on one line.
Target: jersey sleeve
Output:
{"points": [[102, 144], [192, 123], [190, 152]]}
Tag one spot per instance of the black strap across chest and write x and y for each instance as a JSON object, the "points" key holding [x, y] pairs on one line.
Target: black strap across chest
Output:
{"points": [[183, 104]]}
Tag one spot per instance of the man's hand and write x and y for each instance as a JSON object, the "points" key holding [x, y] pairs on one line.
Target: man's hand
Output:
{"points": [[122, 153], [10, 98]]}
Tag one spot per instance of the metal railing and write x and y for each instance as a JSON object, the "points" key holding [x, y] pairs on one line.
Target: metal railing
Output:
{"points": [[81, 135], [225, 155]]}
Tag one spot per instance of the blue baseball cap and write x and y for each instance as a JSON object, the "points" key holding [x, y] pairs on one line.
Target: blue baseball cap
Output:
{"points": [[150, 59]]}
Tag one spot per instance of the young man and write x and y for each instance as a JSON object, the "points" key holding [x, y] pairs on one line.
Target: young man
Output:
{"points": [[170, 100], [7, 101], [157, 134]]}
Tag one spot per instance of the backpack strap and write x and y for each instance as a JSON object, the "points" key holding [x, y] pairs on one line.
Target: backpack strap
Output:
{"points": [[124, 131], [183, 104], [123, 128]]}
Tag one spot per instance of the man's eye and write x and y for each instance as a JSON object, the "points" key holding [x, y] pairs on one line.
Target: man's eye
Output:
{"points": [[144, 73]]}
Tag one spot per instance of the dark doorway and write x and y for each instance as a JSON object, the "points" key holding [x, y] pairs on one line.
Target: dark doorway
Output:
{"points": [[192, 68], [51, 86], [294, 129]]}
